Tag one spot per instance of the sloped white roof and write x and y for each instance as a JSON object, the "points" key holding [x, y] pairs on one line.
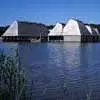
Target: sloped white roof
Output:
{"points": [[89, 28], [93, 31], [12, 30], [71, 28], [96, 30], [57, 30]]}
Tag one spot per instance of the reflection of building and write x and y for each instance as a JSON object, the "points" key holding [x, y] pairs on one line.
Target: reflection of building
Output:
{"points": [[74, 30], [72, 59], [65, 55], [25, 31]]}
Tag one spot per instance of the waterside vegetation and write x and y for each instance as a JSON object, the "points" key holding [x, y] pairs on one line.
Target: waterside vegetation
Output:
{"points": [[12, 78]]}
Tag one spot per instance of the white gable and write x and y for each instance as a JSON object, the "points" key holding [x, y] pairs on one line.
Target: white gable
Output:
{"points": [[57, 30], [89, 28], [12, 30], [96, 30], [71, 28], [93, 31]]}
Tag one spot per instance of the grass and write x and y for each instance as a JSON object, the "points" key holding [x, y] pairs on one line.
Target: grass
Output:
{"points": [[12, 77]]}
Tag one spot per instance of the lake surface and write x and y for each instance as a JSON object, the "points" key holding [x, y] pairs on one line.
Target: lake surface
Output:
{"points": [[60, 71]]}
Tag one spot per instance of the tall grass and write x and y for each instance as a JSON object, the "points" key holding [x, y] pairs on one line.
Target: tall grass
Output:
{"points": [[12, 77]]}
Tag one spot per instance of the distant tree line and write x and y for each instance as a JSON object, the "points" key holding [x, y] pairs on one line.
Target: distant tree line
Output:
{"points": [[50, 26]]}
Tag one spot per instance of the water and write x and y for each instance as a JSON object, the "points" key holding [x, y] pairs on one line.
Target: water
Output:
{"points": [[60, 71]]}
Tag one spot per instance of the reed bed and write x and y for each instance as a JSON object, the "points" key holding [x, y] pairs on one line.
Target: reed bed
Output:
{"points": [[12, 78]]}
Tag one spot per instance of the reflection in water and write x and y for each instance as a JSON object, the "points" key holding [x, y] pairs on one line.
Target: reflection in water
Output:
{"points": [[60, 71]]}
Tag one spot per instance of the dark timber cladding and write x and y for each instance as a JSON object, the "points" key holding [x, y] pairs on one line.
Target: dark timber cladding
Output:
{"points": [[90, 38], [27, 31], [56, 38]]}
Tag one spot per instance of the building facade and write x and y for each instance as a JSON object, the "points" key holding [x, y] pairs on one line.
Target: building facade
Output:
{"points": [[26, 31], [75, 31]]}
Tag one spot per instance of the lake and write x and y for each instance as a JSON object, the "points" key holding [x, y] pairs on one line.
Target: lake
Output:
{"points": [[60, 71]]}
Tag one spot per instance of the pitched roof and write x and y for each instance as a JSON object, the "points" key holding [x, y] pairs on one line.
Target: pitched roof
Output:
{"points": [[32, 29], [23, 28], [71, 28], [57, 30]]}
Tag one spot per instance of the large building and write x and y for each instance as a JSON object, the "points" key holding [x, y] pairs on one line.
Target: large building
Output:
{"points": [[75, 30], [26, 31]]}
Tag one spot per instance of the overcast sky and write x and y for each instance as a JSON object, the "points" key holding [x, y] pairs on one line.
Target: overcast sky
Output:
{"points": [[49, 11]]}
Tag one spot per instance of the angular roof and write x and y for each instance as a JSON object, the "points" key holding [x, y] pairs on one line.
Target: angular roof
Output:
{"points": [[57, 30], [96, 30], [75, 27], [12, 30], [93, 31], [89, 28], [22, 28]]}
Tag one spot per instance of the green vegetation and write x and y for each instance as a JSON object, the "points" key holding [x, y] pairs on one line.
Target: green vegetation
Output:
{"points": [[12, 78]]}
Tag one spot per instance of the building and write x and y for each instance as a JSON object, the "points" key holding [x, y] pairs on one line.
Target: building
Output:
{"points": [[56, 33], [26, 31], [74, 31], [92, 30], [95, 35]]}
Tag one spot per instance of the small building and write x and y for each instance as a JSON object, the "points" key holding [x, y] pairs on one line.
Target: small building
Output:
{"points": [[26, 31], [95, 35], [56, 33], [92, 30]]}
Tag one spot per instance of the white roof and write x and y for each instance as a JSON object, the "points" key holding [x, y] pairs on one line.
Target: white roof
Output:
{"points": [[89, 28], [93, 31], [12, 30], [71, 28], [96, 30], [57, 30]]}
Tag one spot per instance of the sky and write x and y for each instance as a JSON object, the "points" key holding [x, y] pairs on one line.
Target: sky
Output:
{"points": [[49, 11]]}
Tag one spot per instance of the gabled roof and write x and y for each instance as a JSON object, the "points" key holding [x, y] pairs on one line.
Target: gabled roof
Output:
{"points": [[57, 30], [29, 29], [12, 30], [92, 30], [96, 30], [75, 27], [23, 28]]}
